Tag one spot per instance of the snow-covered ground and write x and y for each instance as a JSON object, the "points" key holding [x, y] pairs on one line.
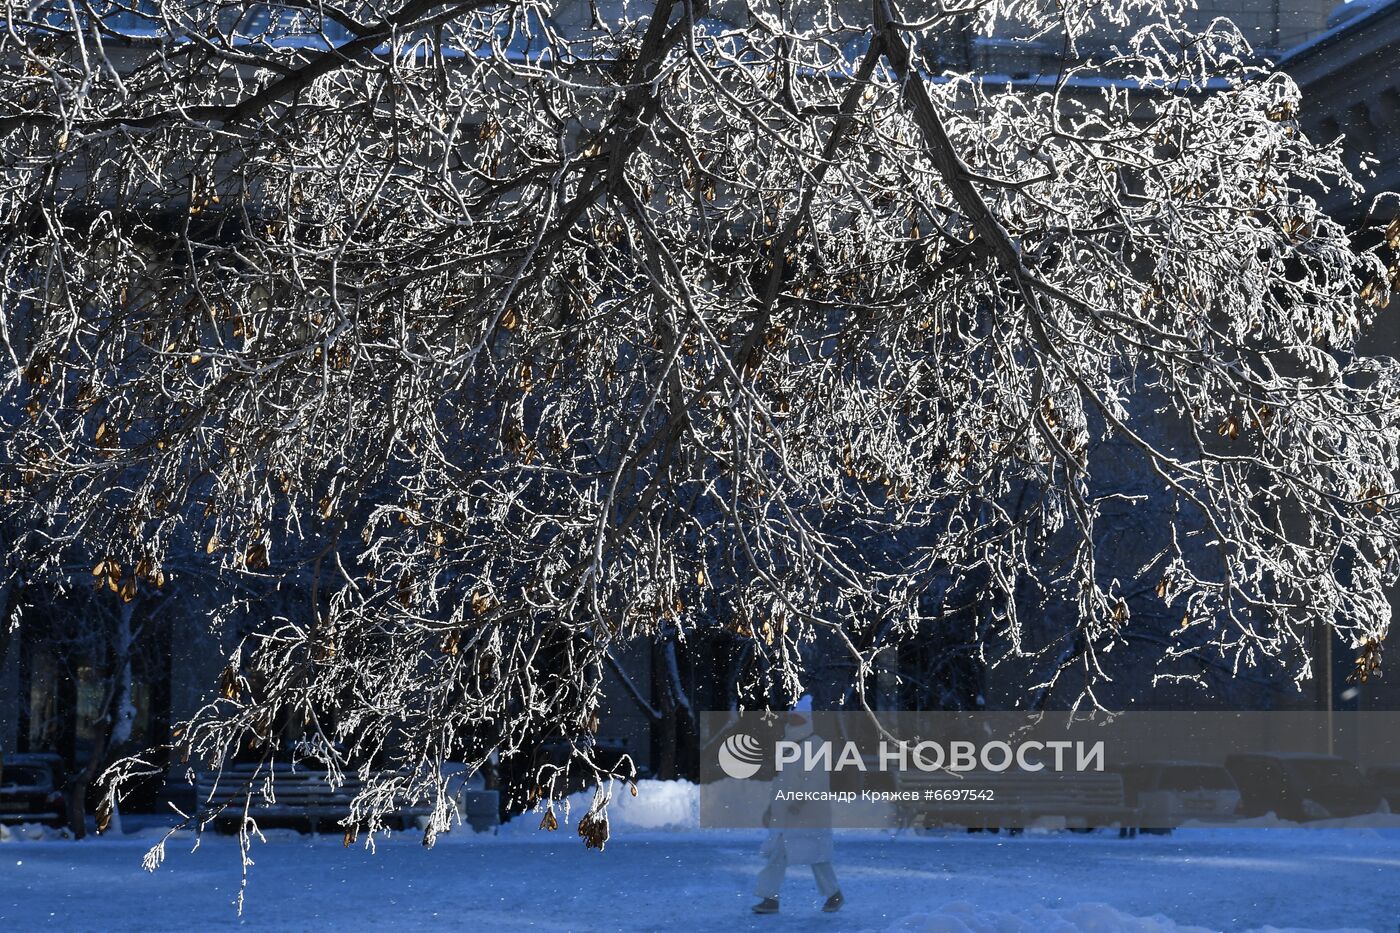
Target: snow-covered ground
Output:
{"points": [[659, 873]]}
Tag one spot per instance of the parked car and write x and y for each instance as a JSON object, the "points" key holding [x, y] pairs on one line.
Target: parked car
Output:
{"points": [[1386, 779], [1167, 793], [31, 789], [1302, 787]]}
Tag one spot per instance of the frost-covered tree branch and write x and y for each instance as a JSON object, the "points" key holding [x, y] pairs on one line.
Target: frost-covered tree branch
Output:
{"points": [[514, 333]]}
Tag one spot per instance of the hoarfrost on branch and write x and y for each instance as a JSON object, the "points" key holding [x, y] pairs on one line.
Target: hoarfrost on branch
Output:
{"points": [[513, 334]]}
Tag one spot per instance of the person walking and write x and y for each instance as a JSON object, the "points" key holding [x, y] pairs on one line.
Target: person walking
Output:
{"points": [[799, 828]]}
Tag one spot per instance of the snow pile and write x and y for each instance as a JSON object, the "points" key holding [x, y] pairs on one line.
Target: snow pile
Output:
{"points": [[669, 806], [30, 832], [960, 917]]}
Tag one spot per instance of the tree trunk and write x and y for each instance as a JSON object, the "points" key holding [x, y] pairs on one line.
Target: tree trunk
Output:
{"points": [[4, 625], [665, 730], [116, 722], [75, 798], [4, 653]]}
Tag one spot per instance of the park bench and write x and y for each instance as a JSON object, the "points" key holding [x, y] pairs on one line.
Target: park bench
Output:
{"points": [[299, 794], [1012, 800]]}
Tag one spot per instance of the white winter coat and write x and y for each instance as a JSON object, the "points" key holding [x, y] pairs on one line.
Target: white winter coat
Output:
{"points": [[802, 828]]}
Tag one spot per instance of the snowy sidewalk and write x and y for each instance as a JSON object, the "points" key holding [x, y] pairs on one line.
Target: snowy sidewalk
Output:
{"points": [[1236, 879]]}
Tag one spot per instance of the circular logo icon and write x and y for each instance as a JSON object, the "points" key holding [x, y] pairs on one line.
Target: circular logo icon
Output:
{"points": [[740, 756]]}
